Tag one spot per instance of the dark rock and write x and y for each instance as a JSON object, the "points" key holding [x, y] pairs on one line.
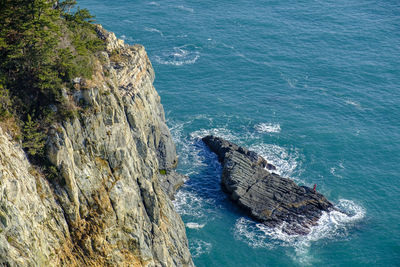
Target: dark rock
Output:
{"points": [[268, 197]]}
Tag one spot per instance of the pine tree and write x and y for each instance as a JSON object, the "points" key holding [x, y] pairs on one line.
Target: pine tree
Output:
{"points": [[66, 6], [43, 45], [27, 43], [34, 140]]}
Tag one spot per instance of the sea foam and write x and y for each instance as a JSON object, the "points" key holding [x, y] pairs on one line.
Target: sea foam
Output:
{"points": [[181, 55], [190, 204], [268, 128], [285, 160], [193, 225], [199, 247], [333, 225]]}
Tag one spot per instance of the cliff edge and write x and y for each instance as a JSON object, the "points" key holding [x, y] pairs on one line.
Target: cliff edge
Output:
{"points": [[110, 203]]}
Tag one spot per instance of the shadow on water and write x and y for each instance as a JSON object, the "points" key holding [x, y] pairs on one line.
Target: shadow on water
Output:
{"points": [[206, 182]]}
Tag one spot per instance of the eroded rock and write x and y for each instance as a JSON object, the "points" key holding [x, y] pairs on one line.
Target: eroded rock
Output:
{"points": [[268, 197]]}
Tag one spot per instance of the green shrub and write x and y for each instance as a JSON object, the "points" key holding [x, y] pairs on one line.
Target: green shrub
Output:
{"points": [[51, 172]]}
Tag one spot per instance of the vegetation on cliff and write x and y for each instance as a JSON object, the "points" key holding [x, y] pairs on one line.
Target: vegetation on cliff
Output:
{"points": [[43, 46]]}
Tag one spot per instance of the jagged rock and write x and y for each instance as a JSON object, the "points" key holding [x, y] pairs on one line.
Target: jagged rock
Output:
{"points": [[107, 206], [32, 224], [268, 197], [171, 181]]}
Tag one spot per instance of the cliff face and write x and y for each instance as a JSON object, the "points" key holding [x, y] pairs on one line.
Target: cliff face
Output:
{"points": [[108, 206]]}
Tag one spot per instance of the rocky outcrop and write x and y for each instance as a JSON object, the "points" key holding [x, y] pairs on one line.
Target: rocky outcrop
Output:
{"points": [[170, 182], [268, 197], [107, 207]]}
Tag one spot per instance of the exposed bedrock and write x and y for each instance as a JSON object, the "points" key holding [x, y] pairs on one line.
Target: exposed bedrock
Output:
{"points": [[109, 202], [276, 201]]}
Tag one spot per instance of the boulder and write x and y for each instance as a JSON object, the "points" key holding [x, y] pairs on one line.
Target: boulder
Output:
{"points": [[275, 201]]}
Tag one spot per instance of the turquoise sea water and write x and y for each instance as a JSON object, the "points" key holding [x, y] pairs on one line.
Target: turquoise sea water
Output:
{"points": [[314, 86]]}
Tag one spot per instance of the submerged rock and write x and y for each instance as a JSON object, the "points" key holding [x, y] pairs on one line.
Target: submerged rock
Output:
{"points": [[268, 197]]}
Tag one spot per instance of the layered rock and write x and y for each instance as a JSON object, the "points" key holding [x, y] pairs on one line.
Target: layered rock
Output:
{"points": [[171, 181], [107, 207], [268, 197], [33, 229]]}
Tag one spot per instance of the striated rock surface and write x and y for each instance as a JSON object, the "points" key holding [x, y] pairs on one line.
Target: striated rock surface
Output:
{"points": [[110, 204], [33, 229], [171, 181], [268, 197]]}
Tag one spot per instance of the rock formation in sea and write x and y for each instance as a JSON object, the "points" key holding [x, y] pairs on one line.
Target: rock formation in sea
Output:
{"points": [[269, 198], [108, 206]]}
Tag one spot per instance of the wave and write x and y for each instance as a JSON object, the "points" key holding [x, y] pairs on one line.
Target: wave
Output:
{"points": [[268, 128], [188, 150], [190, 204], [285, 161], [198, 247], [353, 103], [228, 46], [197, 200], [127, 39], [154, 30], [153, 3], [337, 168], [182, 55], [333, 225], [252, 60], [220, 132], [181, 7], [290, 81], [193, 225]]}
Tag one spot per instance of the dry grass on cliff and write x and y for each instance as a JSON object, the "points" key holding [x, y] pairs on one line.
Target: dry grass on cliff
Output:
{"points": [[11, 127], [88, 246]]}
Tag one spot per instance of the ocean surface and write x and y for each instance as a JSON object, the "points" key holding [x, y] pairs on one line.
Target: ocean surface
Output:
{"points": [[313, 86]]}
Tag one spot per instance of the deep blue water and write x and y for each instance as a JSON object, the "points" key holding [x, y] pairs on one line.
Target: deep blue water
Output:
{"points": [[314, 86]]}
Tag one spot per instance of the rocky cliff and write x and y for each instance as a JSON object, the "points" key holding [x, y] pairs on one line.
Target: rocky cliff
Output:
{"points": [[110, 203], [274, 200]]}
